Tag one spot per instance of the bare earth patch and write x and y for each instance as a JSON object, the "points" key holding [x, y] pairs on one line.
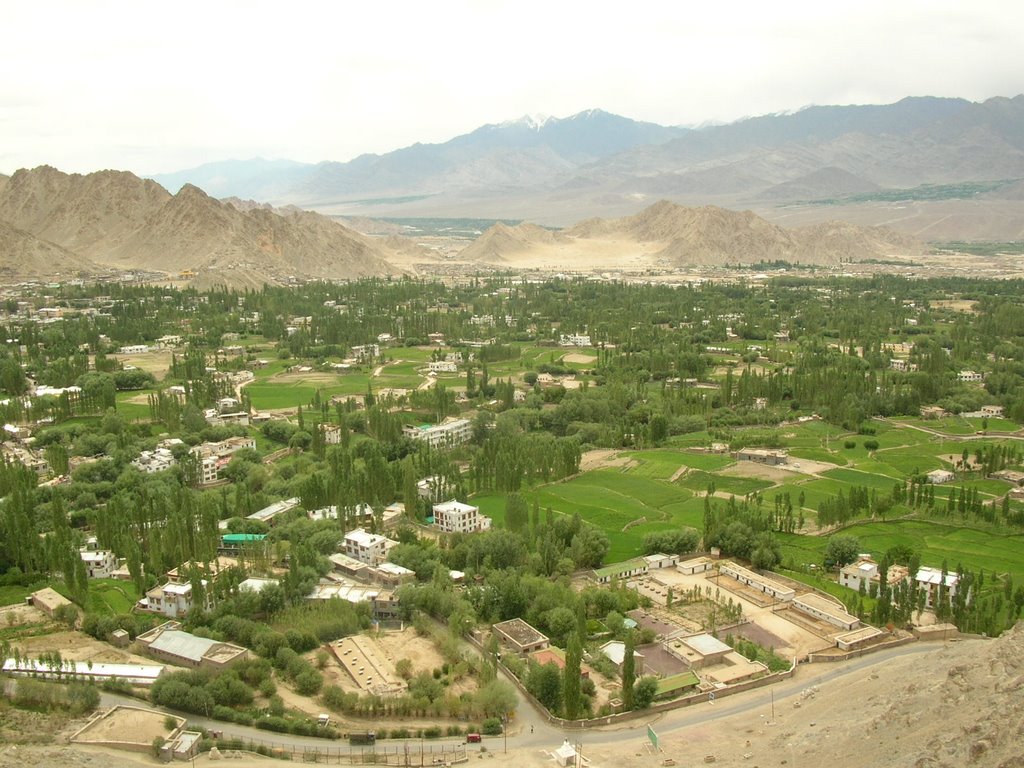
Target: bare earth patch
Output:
{"points": [[604, 458], [127, 725], [578, 357]]}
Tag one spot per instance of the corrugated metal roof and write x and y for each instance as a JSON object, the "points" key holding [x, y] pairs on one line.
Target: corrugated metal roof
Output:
{"points": [[183, 644]]}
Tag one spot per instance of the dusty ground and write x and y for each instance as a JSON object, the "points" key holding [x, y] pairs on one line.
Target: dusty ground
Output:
{"points": [[79, 647], [577, 357], [157, 362], [604, 458], [129, 725]]}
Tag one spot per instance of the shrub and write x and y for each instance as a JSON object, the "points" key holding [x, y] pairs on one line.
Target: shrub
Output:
{"points": [[849, 444], [278, 724], [871, 445], [433, 732], [491, 727]]}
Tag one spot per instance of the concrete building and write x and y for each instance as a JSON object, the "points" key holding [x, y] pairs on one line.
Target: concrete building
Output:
{"points": [[993, 411], [762, 456], [448, 433], [443, 366], [756, 581], [456, 517], [366, 547], [825, 610], [133, 349], [48, 601], [169, 643], [384, 603], [520, 637], [624, 570], [970, 376], [696, 565], [99, 563], [930, 412], [174, 599], [332, 434], [215, 456], [154, 461], [699, 650], [574, 340], [660, 560], [939, 476], [365, 352], [929, 580]]}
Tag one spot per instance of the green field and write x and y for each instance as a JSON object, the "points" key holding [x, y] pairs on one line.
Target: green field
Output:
{"points": [[627, 503]]}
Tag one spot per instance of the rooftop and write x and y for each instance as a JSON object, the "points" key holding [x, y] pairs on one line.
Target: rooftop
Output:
{"points": [[627, 565], [183, 644], [706, 645], [520, 632], [674, 683]]}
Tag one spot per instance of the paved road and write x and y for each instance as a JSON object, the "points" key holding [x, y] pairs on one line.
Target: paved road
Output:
{"points": [[530, 729]]}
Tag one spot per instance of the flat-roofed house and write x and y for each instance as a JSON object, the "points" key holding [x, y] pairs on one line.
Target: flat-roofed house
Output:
{"points": [[520, 637], [369, 548], [455, 517]]}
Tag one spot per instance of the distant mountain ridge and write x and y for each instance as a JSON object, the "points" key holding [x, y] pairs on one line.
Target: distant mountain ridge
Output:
{"points": [[116, 220], [596, 163]]}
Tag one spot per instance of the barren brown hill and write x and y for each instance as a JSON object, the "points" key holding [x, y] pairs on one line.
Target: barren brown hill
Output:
{"points": [[122, 221], [86, 214], [502, 242], [22, 255], [713, 236]]}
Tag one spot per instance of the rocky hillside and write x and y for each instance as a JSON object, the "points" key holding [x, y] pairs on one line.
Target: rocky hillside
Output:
{"points": [[501, 243], [23, 255], [119, 220], [706, 236]]}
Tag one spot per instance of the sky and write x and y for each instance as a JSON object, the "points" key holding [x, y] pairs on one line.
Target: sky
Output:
{"points": [[154, 88]]}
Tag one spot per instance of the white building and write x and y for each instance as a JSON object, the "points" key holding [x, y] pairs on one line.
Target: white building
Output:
{"points": [[366, 351], [133, 349], [574, 340], [456, 517], [154, 461], [99, 563], [939, 476], [443, 366], [366, 547], [214, 457], [449, 433], [972, 376], [332, 434], [174, 599], [930, 579]]}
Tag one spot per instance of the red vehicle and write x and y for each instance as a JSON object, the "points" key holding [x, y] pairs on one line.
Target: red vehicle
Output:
{"points": [[473, 738]]}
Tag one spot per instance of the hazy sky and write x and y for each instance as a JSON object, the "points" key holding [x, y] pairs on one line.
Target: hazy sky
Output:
{"points": [[147, 87]]}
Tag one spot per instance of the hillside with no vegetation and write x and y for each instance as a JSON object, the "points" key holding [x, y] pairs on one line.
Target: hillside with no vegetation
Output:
{"points": [[670, 235], [116, 220]]}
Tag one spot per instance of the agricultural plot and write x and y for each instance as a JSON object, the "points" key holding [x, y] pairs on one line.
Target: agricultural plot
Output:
{"points": [[662, 465]]}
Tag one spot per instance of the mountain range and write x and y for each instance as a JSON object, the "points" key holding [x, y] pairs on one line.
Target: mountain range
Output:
{"points": [[57, 225], [558, 171]]}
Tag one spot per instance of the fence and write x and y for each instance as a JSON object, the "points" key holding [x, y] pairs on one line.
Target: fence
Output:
{"points": [[409, 754]]}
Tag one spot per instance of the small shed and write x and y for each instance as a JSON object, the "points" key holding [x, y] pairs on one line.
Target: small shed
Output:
{"points": [[119, 638], [565, 755]]}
